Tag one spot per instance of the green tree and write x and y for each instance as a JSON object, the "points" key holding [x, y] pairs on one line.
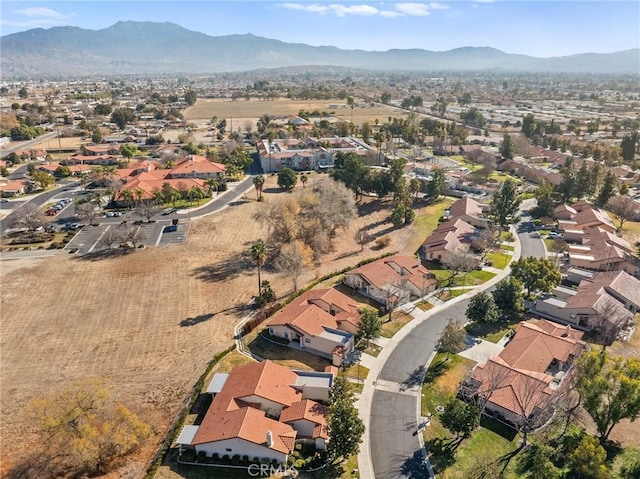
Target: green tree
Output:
{"points": [[62, 171], [453, 338], [190, 97], [122, 117], [258, 183], [536, 274], [588, 460], [608, 189], [23, 93], [304, 179], [507, 147], [628, 147], [397, 215], [268, 295], [505, 203], [609, 389], [370, 325], [435, 186], [344, 425], [128, 150], [44, 180], [459, 418], [287, 178], [350, 170], [582, 180], [259, 256], [482, 308], [102, 109], [544, 198], [96, 135], [509, 299], [627, 464], [535, 462]]}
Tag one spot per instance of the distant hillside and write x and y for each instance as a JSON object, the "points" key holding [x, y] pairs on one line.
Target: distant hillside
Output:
{"points": [[156, 48]]}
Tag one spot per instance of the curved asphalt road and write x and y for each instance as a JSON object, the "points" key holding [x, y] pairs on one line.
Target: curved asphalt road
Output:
{"points": [[396, 451]]}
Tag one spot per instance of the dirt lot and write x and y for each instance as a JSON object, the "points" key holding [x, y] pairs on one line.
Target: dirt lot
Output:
{"points": [[242, 111], [146, 323]]}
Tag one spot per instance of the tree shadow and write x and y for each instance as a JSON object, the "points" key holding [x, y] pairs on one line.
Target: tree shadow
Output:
{"points": [[226, 269], [370, 207], [200, 407], [436, 370], [201, 318], [415, 378], [415, 466], [498, 428], [106, 254], [441, 453]]}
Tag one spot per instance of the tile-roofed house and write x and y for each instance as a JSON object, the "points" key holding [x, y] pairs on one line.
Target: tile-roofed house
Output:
{"points": [[448, 239], [601, 250], [468, 210], [15, 188], [195, 166], [521, 382], [399, 277], [322, 321], [564, 212], [611, 297], [309, 419], [247, 416]]}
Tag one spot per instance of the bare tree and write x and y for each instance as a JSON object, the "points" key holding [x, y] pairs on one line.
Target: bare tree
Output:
{"points": [[453, 337], [623, 209], [293, 260], [132, 234], [457, 263], [28, 216], [395, 294], [146, 211], [533, 405], [112, 236], [362, 237], [609, 319], [482, 382], [87, 210]]}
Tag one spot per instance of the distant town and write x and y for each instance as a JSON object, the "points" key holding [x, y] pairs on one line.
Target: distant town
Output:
{"points": [[321, 272]]}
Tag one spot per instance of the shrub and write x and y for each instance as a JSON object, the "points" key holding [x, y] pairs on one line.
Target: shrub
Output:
{"points": [[299, 463], [383, 241], [225, 459], [245, 459], [202, 456], [215, 456], [235, 460]]}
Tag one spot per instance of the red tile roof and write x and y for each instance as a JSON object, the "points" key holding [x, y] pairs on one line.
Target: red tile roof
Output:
{"points": [[310, 411], [390, 270]]}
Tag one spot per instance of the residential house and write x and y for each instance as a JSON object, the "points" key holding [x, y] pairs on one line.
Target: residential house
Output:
{"points": [[521, 383], [449, 239], [601, 250], [260, 410], [607, 300], [323, 322], [469, 211], [195, 166], [586, 216], [13, 188], [393, 280]]}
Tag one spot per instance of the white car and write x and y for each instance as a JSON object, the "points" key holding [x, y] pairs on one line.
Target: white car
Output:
{"points": [[554, 235]]}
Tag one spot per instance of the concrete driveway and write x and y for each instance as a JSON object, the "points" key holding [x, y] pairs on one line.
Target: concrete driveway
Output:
{"points": [[479, 350]]}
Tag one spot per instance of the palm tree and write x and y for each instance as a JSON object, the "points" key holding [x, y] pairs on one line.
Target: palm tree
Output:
{"points": [[258, 182], [127, 197], [172, 196], [139, 193], [212, 183], [158, 197], [303, 179], [259, 255], [195, 192]]}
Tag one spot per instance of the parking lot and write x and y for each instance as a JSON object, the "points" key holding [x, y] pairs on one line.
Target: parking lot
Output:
{"points": [[152, 234]]}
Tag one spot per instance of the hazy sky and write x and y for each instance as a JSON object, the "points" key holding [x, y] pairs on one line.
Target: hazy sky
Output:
{"points": [[541, 28]]}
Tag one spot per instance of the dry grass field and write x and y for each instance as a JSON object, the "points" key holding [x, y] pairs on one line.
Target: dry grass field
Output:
{"points": [[242, 111], [147, 323]]}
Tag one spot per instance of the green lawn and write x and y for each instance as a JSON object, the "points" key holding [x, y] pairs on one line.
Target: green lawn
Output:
{"points": [[357, 371], [426, 221], [499, 260], [447, 294], [230, 361], [490, 331], [399, 319], [490, 444], [507, 247], [372, 350], [472, 278]]}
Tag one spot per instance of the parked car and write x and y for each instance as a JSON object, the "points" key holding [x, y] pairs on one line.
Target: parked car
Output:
{"points": [[109, 214], [51, 212], [555, 235], [71, 226], [168, 211], [117, 213]]}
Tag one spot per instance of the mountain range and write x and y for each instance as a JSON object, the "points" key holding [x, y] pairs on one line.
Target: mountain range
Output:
{"points": [[166, 48]]}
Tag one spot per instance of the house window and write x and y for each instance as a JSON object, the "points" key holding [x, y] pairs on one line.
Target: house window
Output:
{"points": [[307, 340], [228, 449]]}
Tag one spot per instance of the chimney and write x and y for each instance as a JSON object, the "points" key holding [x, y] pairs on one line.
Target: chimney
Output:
{"points": [[269, 439], [567, 331]]}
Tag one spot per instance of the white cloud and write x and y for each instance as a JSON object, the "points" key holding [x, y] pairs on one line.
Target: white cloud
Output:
{"points": [[41, 12], [413, 9], [401, 9], [365, 10]]}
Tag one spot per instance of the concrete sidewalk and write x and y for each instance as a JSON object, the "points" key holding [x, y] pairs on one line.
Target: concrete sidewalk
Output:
{"points": [[375, 366]]}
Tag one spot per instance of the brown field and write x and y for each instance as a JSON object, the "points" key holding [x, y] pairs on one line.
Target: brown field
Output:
{"points": [[242, 111], [146, 324]]}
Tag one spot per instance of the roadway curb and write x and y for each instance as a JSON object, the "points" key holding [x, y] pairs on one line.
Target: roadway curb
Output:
{"points": [[365, 462]]}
